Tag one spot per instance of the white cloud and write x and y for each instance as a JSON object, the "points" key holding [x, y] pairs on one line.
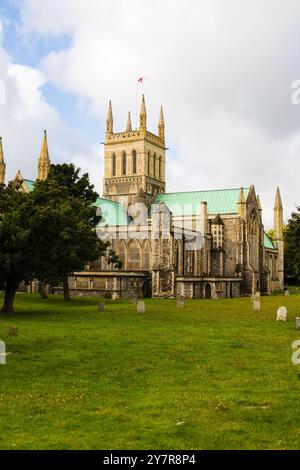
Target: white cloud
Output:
{"points": [[23, 117], [222, 70]]}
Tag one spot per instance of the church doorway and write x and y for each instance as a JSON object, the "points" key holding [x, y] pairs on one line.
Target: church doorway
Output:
{"points": [[208, 291]]}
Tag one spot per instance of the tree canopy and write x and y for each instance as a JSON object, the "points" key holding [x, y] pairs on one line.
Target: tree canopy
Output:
{"points": [[292, 246], [49, 233]]}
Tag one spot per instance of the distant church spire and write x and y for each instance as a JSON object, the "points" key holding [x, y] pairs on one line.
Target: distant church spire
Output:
{"points": [[109, 120], [2, 164], [278, 215], [161, 124], [143, 115], [44, 160], [259, 205], [242, 204], [129, 126]]}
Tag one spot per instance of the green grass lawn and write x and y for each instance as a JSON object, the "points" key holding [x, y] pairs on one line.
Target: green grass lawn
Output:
{"points": [[213, 375]]}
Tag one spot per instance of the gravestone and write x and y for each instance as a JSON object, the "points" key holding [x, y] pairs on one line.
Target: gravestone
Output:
{"points": [[281, 314], [256, 305], [132, 298], [180, 301], [140, 307], [101, 307], [297, 323], [287, 292], [115, 296], [255, 297], [12, 331]]}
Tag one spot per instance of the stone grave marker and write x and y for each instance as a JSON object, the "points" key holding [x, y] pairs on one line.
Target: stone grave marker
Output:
{"points": [[297, 323], [180, 301], [101, 307], [287, 292], [256, 305], [132, 297], [281, 314], [140, 306], [12, 331]]}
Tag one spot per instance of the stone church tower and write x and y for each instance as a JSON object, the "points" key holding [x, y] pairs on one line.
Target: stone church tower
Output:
{"points": [[134, 160], [2, 164], [44, 160]]}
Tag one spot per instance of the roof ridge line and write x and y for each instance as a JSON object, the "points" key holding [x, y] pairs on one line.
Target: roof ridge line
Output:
{"points": [[203, 191]]}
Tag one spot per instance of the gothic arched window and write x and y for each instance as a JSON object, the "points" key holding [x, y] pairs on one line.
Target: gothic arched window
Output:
{"points": [[147, 256], [124, 163], [134, 165], [159, 168], [154, 166], [114, 165], [134, 256], [122, 253], [149, 169]]}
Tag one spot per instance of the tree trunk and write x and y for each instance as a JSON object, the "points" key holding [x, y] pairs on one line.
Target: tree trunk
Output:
{"points": [[9, 298], [42, 290], [66, 287]]}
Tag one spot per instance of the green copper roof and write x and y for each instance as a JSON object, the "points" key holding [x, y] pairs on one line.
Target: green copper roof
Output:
{"points": [[268, 242], [29, 184], [223, 201], [112, 213]]}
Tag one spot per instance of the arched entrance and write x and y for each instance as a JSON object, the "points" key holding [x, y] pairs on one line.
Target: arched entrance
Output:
{"points": [[208, 291]]}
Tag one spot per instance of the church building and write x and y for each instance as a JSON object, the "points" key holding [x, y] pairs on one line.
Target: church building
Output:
{"points": [[198, 244]]}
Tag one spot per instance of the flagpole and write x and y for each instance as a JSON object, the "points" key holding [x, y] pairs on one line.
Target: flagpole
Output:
{"points": [[136, 103]]}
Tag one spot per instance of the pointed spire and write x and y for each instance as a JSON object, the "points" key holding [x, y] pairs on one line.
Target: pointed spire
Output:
{"points": [[278, 216], [44, 160], [259, 206], [129, 126], [242, 204], [143, 115], [2, 164], [258, 203], [278, 201], [109, 120], [241, 197], [161, 124]]}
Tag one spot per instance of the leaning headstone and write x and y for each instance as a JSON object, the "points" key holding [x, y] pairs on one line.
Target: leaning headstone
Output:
{"points": [[256, 305], [297, 323], [101, 307], [13, 331], [281, 314], [287, 292], [140, 307], [115, 296], [180, 301]]}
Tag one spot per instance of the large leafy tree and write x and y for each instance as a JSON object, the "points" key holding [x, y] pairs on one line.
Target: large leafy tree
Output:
{"points": [[292, 246], [49, 233], [16, 256], [64, 228]]}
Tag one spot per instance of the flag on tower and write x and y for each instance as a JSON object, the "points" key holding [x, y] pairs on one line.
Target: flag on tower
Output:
{"points": [[142, 79]]}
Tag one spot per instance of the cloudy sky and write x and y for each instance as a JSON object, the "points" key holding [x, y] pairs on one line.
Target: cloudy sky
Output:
{"points": [[223, 70]]}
